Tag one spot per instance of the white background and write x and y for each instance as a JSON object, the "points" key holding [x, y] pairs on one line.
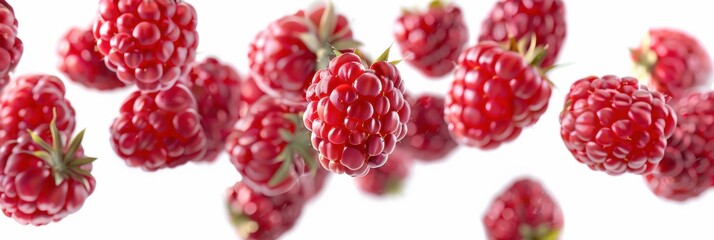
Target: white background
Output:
{"points": [[441, 201]]}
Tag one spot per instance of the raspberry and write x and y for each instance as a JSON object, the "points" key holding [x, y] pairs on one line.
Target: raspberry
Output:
{"points": [[249, 94], [41, 183], [271, 148], [81, 63], [215, 87], [312, 184], [157, 130], [674, 62], [432, 38], [687, 168], [149, 43], [28, 102], [284, 56], [615, 125], [523, 211], [257, 217], [495, 94], [428, 136], [356, 114], [11, 46], [388, 179], [544, 20]]}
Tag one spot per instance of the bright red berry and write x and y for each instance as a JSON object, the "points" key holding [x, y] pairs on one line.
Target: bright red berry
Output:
{"points": [[284, 56], [83, 64], [687, 169], [259, 217], [616, 125], [271, 148], [495, 94], [44, 178], [11, 46], [428, 137], [388, 179], [157, 130], [149, 43], [523, 211], [28, 102], [544, 20], [674, 62], [249, 94], [356, 114], [215, 86], [432, 39]]}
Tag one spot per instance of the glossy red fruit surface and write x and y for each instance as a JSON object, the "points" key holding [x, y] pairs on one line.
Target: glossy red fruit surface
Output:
{"points": [[544, 20], [495, 94], [249, 94], [356, 114], [149, 43], [432, 39], [428, 138], [159, 130], [674, 61], [216, 87], [523, 211], [82, 63], [687, 169], [616, 125], [11, 47], [255, 216], [388, 179]]}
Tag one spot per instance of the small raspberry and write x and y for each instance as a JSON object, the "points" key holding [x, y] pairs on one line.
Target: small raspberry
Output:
{"points": [[356, 114], [428, 137], [388, 179], [157, 130], [432, 39], [216, 88], [615, 125], [258, 217], [149, 43], [11, 47], [83, 64]]}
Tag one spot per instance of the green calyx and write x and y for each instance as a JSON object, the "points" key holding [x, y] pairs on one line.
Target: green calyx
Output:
{"points": [[322, 39], [644, 60], [542, 232], [60, 159], [532, 53], [242, 223], [298, 144], [384, 57]]}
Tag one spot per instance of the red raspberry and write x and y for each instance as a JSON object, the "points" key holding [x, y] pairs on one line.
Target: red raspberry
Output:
{"points": [[312, 184], [147, 42], [41, 183], [271, 148], [495, 94], [249, 94], [674, 62], [428, 136], [544, 20], [215, 87], [259, 217], [11, 46], [284, 57], [28, 103], [356, 114], [388, 179], [615, 125], [523, 211], [687, 168], [159, 130], [83, 64], [432, 39]]}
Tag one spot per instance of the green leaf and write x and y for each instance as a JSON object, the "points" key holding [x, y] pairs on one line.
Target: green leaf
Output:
{"points": [[342, 33], [310, 41], [82, 172], [82, 161], [58, 178], [395, 62], [384, 56], [308, 156], [328, 22], [39, 141], [42, 155], [284, 168], [346, 44], [286, 135], [74, 146], [56, 138]]}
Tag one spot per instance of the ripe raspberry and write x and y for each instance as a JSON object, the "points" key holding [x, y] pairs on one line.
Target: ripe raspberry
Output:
{"points": [[249, 94], [687, 168], [674, 62], [495, 94], [523, 211], [11, 46], [147, 42], [284, 57], [83, 64], [356, 114], [271, 148], [28, 103], [544, 20], [258, 217], [388, 179], [312, 184], [159, 129], [428, 137], [41, 183], [215, 87], [432, 38], [615, 125]]}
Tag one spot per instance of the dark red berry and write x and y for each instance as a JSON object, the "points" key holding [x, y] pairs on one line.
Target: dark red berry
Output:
{"points": [[82, 63], [428, 138], [11, 46]]}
